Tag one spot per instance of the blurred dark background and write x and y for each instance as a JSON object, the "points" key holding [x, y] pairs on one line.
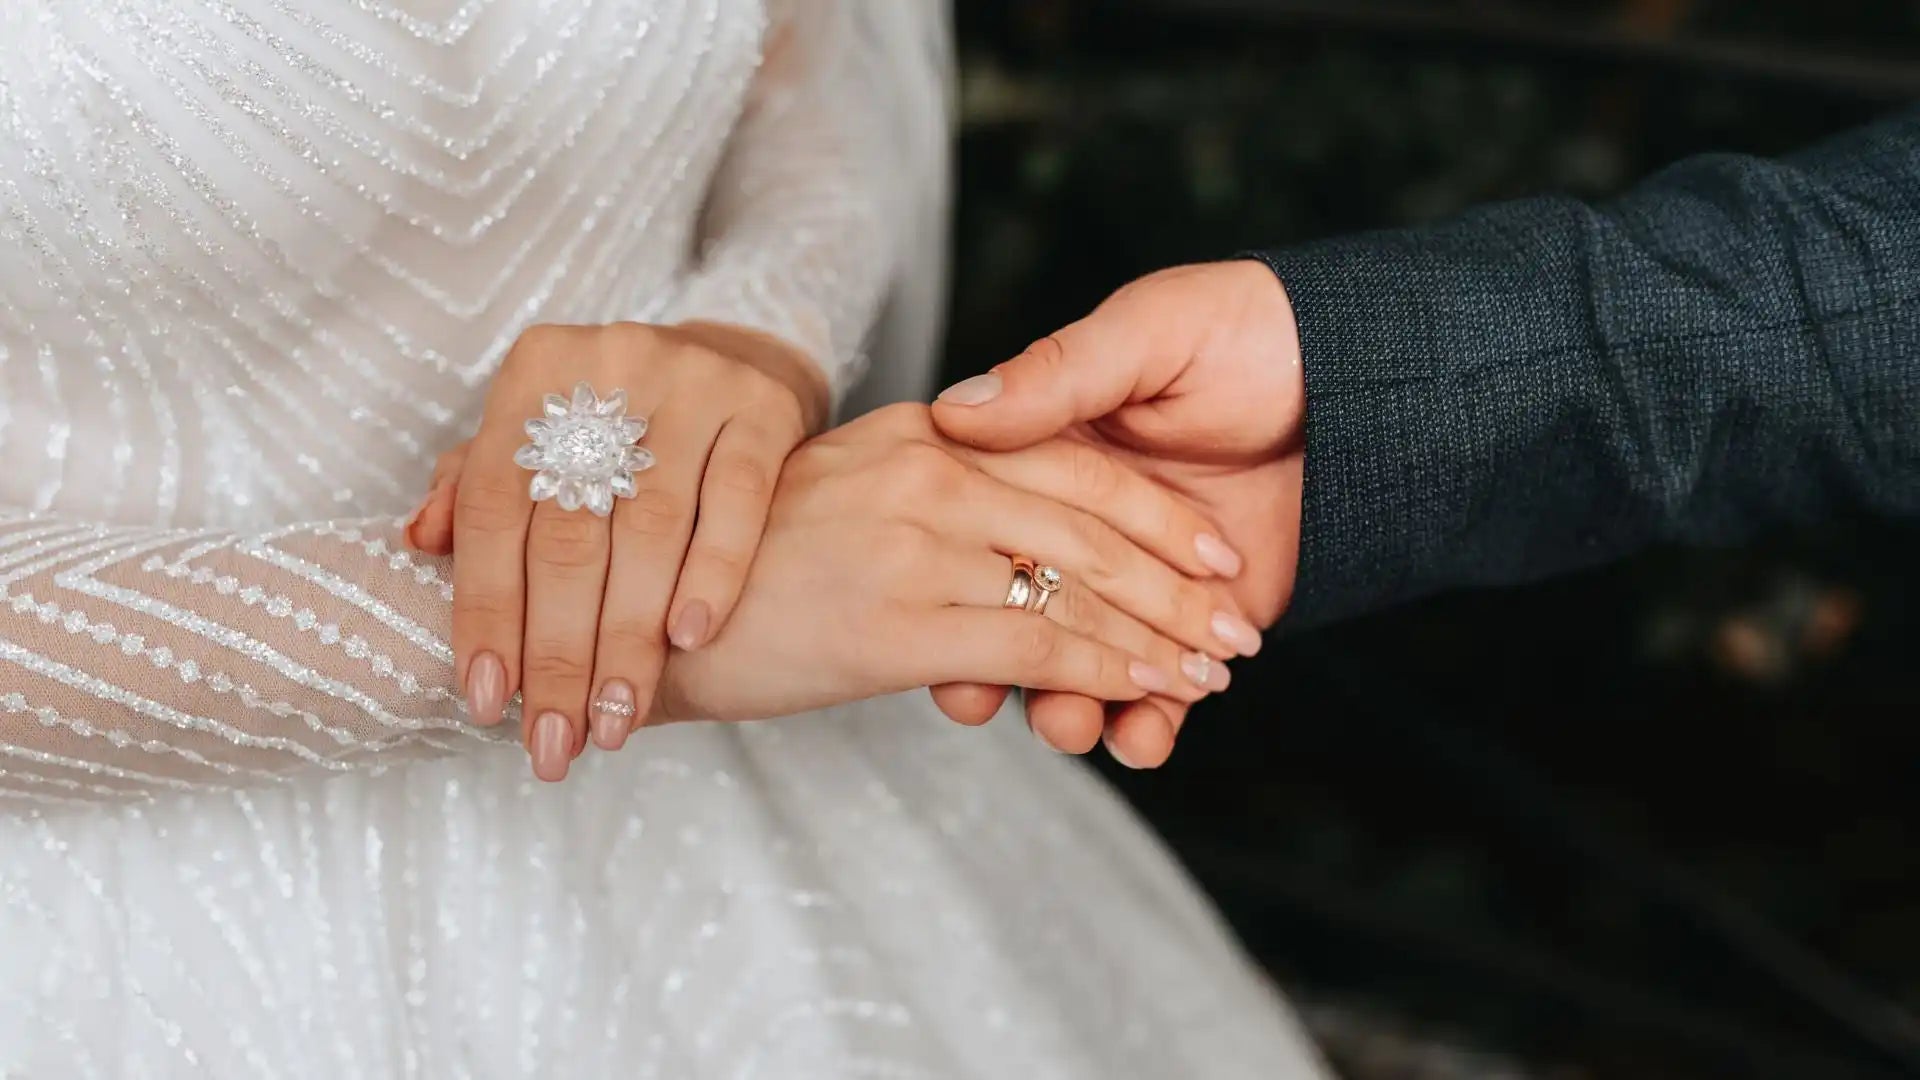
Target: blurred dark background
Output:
{"points": [[1651, 822]]}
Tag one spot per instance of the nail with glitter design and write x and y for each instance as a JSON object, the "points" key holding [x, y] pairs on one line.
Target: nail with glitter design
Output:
{"points": [[486, 690], [1204, 671], [552, 748], [613, 714]]}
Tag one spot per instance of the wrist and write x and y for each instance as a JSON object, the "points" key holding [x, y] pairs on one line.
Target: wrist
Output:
{"points": [[1294, 453]]}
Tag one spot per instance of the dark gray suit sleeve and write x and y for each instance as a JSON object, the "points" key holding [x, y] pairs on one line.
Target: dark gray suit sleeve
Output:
{"points": [[1544, 385]]}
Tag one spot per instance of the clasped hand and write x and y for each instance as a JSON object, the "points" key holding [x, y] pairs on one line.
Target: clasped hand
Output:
{"points": [[883, 565]]}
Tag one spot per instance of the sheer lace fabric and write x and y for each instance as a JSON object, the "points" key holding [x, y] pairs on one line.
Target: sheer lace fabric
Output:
{"points": [[144, 660]]}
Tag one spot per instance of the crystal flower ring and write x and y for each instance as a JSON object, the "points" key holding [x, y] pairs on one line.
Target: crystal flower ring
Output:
{"points": [[584, 452]]}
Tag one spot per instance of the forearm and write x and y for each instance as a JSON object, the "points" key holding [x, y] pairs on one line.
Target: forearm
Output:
{"points": [[1544, 385], [140, 660]]}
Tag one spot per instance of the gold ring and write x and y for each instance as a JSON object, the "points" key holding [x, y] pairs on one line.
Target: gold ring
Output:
{"points": [[1048, 581], [1020, 590]]}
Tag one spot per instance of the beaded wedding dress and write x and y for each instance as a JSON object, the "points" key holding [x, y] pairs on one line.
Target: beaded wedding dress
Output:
{"points": [[257, 259]]}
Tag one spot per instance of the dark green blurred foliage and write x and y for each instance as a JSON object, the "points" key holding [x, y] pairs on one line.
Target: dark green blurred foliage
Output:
{"points": [[1652, 822]]}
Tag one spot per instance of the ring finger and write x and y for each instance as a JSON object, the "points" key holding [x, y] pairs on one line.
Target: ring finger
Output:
{"points": [[651, 532], [1190, 675], [1105, 562]]}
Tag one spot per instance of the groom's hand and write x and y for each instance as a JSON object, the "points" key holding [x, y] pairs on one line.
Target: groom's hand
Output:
{"points": [[1193, 376]]}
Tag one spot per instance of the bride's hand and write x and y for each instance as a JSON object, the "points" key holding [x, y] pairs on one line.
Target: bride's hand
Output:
{"points": [[886, 566], [573, 600]]}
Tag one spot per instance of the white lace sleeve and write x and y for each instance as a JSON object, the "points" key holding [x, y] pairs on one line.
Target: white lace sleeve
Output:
{"points": [[830, 198], [136, 660]]}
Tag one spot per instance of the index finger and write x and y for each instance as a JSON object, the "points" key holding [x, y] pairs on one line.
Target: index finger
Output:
{"points": [[491, 513]]}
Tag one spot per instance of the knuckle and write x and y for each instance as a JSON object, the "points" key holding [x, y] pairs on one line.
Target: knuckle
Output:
{"points": [[627, 642], [782, 417], [742, 475], [485, 606], [717, 562], [631, 335], [552, 662], [693, 361], [490, 502], [651, 514], [541, 338], [569, 541], [750, 382], [1042, 647], [1048, 352]]}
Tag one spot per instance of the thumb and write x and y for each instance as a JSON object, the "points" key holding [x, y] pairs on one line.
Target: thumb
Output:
{"points": [[1081, 372]]}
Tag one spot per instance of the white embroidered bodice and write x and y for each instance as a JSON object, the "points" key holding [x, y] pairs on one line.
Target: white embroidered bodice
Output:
{"points": [[257, 261]]}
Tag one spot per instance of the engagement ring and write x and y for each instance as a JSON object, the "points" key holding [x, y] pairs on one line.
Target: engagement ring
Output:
{"points": [[1046, 579]]}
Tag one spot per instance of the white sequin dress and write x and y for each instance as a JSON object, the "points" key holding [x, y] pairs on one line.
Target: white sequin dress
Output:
{"points": [[257, 258]]}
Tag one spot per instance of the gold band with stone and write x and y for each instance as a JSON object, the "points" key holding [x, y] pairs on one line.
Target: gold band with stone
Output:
{"points": [[1047, 581]]}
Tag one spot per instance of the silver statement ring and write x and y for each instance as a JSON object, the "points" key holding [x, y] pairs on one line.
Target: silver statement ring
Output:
{"points": [[584, 451]]}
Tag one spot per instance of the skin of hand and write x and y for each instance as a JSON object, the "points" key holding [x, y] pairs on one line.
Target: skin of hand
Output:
{"points": [[885, 566], [1191, 376], [576, 611]]}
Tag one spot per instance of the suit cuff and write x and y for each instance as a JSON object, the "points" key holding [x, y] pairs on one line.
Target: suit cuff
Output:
{"points": [[1367, 472]]}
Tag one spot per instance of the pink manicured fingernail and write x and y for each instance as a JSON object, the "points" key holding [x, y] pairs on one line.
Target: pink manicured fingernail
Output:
{"points": [[1236, 633], [1147, 677], [612, 715], [690, 629], [486, 689], [1204, 671], [413, 519], [1216, 556], [552, 748], [975, 391], [1113, 748]]}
